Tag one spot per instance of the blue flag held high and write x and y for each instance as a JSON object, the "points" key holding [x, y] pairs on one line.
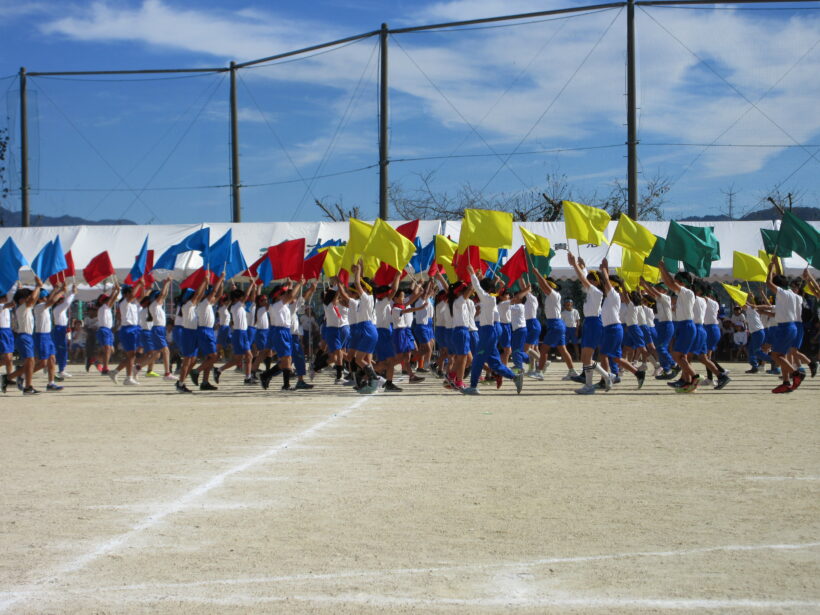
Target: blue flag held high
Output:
{"points": [[11, 259], [265, 272], [49, 260], [138, 270], [330, 243], [424, 257], [236, 263], [219, 254], [196, 241]]}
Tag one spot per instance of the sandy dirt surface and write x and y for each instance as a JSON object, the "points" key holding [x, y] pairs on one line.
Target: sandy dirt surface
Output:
{"points": [[140, 500]]}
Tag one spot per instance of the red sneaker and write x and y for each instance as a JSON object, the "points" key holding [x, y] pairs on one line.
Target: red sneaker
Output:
{"points": [[797, 379], [784, 387], [498, 380]]}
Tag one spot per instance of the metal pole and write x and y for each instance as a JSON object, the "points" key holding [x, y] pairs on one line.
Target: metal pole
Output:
{"points": [[236, 212], [25, 218], [383, 100], [631, 115]]}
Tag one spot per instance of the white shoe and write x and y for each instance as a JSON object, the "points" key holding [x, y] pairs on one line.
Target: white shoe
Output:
{"points": [[130, 382], [658, 371], [586, 390], [65, 375], [539, 375], [170, 378], [113, 375], [339, 381], [570, 375], [546, 367], [707, 382]]}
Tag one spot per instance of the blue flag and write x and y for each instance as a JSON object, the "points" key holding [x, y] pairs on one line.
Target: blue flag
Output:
{"points": [[11, 259], [57, 257], [265, 272], [424, 257], [138, 270], [328, 244], [502, 254], [41, 265], [236, 264], [219, 254], [198, 241]]}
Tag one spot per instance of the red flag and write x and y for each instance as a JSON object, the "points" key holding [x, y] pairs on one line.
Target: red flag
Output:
{"points": [[68, 272], [344, 277], [386, 274], [147, 278], [288, 259], [195, 279], [98, 269], [313, 266], [515, 266], [253, 270], [470, 256], [409, 230], [434, 269]]}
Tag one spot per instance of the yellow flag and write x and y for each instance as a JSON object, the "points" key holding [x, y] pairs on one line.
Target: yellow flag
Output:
{"points": [[749, 268], [631, 279], [387, 245], [333, 260], [651, 274], [536, 245], [488, 254], [635, 236], [357, 240], [486, 228], [738, 296], [632, 261], [445, 250], [585, 224], [766, 258]]}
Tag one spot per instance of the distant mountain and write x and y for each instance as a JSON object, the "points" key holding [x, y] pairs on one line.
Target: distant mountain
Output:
{"points": [[805, 213], [14, 218]]}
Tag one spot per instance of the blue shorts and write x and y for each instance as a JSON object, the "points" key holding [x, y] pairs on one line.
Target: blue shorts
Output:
{"points": [[473, 342], [252, 336], [206, 341], [147, 340], [384, 344], [712, 337], [345, 333], [281, 341], [769, 335], [44, 345], [785, 337], [403, 340], [533, 331], [460, 341], [571, 335], [177, 335], [798, 341], [158, 337], [366, 338], [648, 334], [685, 333], [633, 338], [422, 333], [260, 339], [130, 337], [334, 338], [699, 347], [25, 345], [223, 336], [593, 331], [6, 341], [505, 336], [554, 333], [188, 342], [240, 341], [612, 340], [355, 334], [105, 337]]}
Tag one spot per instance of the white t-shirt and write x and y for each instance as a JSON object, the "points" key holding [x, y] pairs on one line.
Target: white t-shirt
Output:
{"points": [[611, 309], [143, 318], [42, 318], [157, 313], [685, 305], [443, 315], [630, 316], [5, 318], [333, 316], [472, 311], [648, 316], [700, 310], [262, 318], [552, 305], [365, 309], [517, 319], [570, 318], [129, 313], [224, 313], [279, 315], [239, 316], [753, 318], [60, 311], [401, 321], [189, 320], [504, 316], [712, 309], [383, 309], [786, 306], [205, 314], [24, 316], [487, 303], [344, 311], [740, 338], [664, 305], [105, 318], [530, 306], [422, 317], [592, 301], [461, 314]]}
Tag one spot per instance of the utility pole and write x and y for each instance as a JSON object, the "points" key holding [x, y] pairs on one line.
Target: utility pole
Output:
{"points": [[236, 209], [730, 193], [24, 209], [383, 100], [631, 114]]}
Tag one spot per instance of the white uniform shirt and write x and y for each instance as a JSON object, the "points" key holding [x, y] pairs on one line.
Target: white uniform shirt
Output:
{"points": [[189, 320], [487, 301], [648, 316], [364, 309], [224, 313], [42, 318], [570, 318], [443, 315], [279, 315], [5, 318], [60, 311], [383, 309], [530, 306], [345, 315], [157, 313], [700, 310], [129, 313], [401, 321], [611, 309], [143, 318], [685, 305], [785, 307], [239, 316], [517, 319], [630, 316], [664, 305], [205, 314], [352, 313], [472, 312], [262, 318], [712, 309], [104, 317], [504, 315], [295, 307], [592, 301], [753, 318], [552, 305], [24, 316], [333, 317], [461, 314]]}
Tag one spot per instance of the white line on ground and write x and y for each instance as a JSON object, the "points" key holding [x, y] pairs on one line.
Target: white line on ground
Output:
{"points": [[783, 478], [15, 596]]}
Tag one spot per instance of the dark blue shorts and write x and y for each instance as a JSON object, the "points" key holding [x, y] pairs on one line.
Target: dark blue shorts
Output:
{"points": [[281, 341], [130, 337], [105, 337], [44, 345], [571, 335], [384, 344], [798, 341], [239, 341], [260, 339], [554, 333], [403, 340], [648, 334], [334, 338], [699, 346], [158, 337], [188, 342], [147, 340], [422, 333], [633, 337], [785, 337], [223, 336], [685, 333], [6, 341], [366, 338], [460, 341], [206, 341], [712, 337], [25, 345], [505, 337], [593, 331], [612, 340], [533, 331]]}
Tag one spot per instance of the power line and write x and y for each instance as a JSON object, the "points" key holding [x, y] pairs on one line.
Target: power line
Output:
{"points": [[527, 153]]}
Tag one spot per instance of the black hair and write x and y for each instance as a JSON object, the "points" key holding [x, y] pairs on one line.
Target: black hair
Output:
{"points": [[237, 294], [487, 285], [329, 296], [22, 294], [781, 281], [635, 297], [684, 278], [594, 278]]}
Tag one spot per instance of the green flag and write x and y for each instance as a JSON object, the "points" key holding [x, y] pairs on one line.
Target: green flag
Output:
{"points": [[694, 248], [770, 243], [801, 237], [707, 235], [656, 255]]}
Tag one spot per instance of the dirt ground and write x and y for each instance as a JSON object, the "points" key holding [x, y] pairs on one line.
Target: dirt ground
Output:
{"points": [[140, 500]]}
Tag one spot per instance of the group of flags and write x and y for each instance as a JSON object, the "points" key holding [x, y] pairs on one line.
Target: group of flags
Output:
{"points": [[484, 242]]}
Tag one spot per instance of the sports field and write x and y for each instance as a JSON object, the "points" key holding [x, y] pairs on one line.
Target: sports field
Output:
{"points": [[140, 500]]}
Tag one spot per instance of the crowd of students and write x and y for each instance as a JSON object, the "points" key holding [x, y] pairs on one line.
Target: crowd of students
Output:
{"points": [[466, 333]]}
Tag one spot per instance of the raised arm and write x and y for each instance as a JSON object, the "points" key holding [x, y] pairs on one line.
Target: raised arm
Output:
{"points": [[668, 279], [542, 282], [605, 283], [293, 293], [578, 271], [163, 293], [651, 290], [770, 276], [114, 292]]}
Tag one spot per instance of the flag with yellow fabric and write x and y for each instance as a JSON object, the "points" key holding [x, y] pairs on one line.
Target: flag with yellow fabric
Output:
{"points": [[738, 296], [749, 268], [445, 250], [633, 236], [585, 224], [767, 258], [333, 260], [387, 245], [633, 268], [536, 245], [486, 228], [359, 233]]}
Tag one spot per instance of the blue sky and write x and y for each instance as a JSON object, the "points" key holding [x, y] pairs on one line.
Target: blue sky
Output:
{"points": [[496, 108]]}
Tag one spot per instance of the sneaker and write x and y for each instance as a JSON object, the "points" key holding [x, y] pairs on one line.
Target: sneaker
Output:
{"points": [[285, 387], [708, 382], [797, 379], [207, 386], [499, 380], [722, 381], [533, 374], [416, 379], [783, 387], [392, 388], [585, 390], [570, 375], [775, 371], [813, 368], [602, 384], [423, 370], [170, 378], [753, 370], [616, 379], [113, 376], [580, 379], [608, 383], [53, 387], [248, 381], [677, 384], [195, 377], [349, 382], [519, 383], [338, 381], [151, 374], [99, 367], [692, 386], [181, 388], [641, 376], [19, 383], [88, 364], [667, 375], [265, 378], [546, 367], [130, 382], [470, 391], [30, 391], [658, 371], [58, 377], [301, 385], [216, 373]]}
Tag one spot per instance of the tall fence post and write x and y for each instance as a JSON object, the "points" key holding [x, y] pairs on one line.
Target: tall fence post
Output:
{"points": [[24, 209], [631, 114], [383, 103], [236, 204]]}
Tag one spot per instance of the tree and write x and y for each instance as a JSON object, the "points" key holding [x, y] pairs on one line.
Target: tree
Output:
{"points": [[651, 199], [336, 212]]}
